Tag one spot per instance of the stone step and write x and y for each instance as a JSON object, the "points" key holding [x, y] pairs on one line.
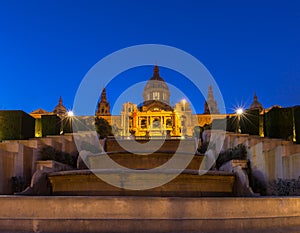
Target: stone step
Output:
{"points": [[143, 160], [187, 184], [104, 214], [163, 145]]}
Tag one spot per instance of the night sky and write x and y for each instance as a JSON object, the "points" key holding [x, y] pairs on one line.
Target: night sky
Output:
{"points": [[47, 47]]}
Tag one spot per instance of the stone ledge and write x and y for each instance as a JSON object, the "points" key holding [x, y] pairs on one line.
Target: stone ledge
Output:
{"points": [[148, 214]]}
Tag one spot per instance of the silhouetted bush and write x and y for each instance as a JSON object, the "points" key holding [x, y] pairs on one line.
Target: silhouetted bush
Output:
{"points": [[284, 187], [103, 128], [50, 153]]}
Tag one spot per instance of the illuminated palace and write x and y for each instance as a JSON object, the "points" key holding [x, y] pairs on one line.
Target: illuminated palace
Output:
{"points": [[155, 117]]}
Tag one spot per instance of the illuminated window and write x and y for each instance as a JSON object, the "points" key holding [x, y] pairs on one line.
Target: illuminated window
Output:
{"points": [[156, 95]]}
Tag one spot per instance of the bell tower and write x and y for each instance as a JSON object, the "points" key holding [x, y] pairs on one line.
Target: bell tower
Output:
{"points": [[210, 105], [103, 105]]}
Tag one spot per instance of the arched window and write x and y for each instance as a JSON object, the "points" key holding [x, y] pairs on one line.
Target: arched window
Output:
{"points": [[155, 95]]}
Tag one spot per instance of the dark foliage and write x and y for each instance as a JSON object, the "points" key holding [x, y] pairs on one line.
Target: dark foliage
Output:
{"points": [[297, 123], [231, 125], [278, 123], [284, 187], [16, 125], [103, 128], [50, 153], [51, 125], [250, 122]]}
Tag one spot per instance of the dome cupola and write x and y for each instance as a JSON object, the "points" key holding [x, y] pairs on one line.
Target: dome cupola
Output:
{"points": [[256, 104], [156, 89]]}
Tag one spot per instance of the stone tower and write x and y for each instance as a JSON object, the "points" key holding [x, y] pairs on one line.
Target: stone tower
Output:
{"points": [[156, 89], [103, 105], [60, 109], [210, 106]]}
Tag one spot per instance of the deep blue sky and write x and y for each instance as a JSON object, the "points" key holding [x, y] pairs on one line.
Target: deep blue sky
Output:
{"points": [[46, 47]]}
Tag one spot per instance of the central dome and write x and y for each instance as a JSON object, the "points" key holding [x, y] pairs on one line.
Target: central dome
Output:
{"points": [[156, 89]]}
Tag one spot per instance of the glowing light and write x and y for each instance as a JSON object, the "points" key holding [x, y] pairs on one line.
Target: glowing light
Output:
{"points": [[70, 113], [239, 111], [183, 101]]}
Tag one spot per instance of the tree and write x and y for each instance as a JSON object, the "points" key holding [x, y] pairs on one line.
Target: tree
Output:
{"points": [[103, 128]]}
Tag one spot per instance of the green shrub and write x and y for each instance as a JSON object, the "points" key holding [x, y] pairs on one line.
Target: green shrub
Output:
{"points": [[51, 125], [15, 125]]}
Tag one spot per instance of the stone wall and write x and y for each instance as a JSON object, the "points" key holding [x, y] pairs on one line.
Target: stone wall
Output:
{"points": [[18, 157], [149, 214], [274, 158]]}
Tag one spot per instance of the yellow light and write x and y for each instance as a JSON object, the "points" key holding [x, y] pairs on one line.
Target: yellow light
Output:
{"points": [[239, 111], [183, 101], [70, 113]]}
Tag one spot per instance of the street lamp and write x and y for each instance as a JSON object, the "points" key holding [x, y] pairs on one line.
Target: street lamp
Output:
{"points": [[239, 113], [183, 103], [183, 118], [70, 113]]}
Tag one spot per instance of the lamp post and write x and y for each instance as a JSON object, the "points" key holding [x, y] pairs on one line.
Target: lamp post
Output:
{"points": [[183, 118], [239, 113], [67, 123], [70, 113], [183, 102]]}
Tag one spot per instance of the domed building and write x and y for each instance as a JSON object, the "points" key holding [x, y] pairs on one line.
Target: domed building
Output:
{"points": [[156, 89], [256, 104], [155, 117]]}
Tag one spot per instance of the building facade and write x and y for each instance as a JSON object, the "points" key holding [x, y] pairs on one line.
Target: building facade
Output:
{"points": [[156, 117]]}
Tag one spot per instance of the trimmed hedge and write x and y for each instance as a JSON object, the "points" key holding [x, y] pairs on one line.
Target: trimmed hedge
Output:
{"points": [[232, 125], [16, 125], [51, 125], [219, 124], [297, 123], [278, 123], [250, 122]]}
